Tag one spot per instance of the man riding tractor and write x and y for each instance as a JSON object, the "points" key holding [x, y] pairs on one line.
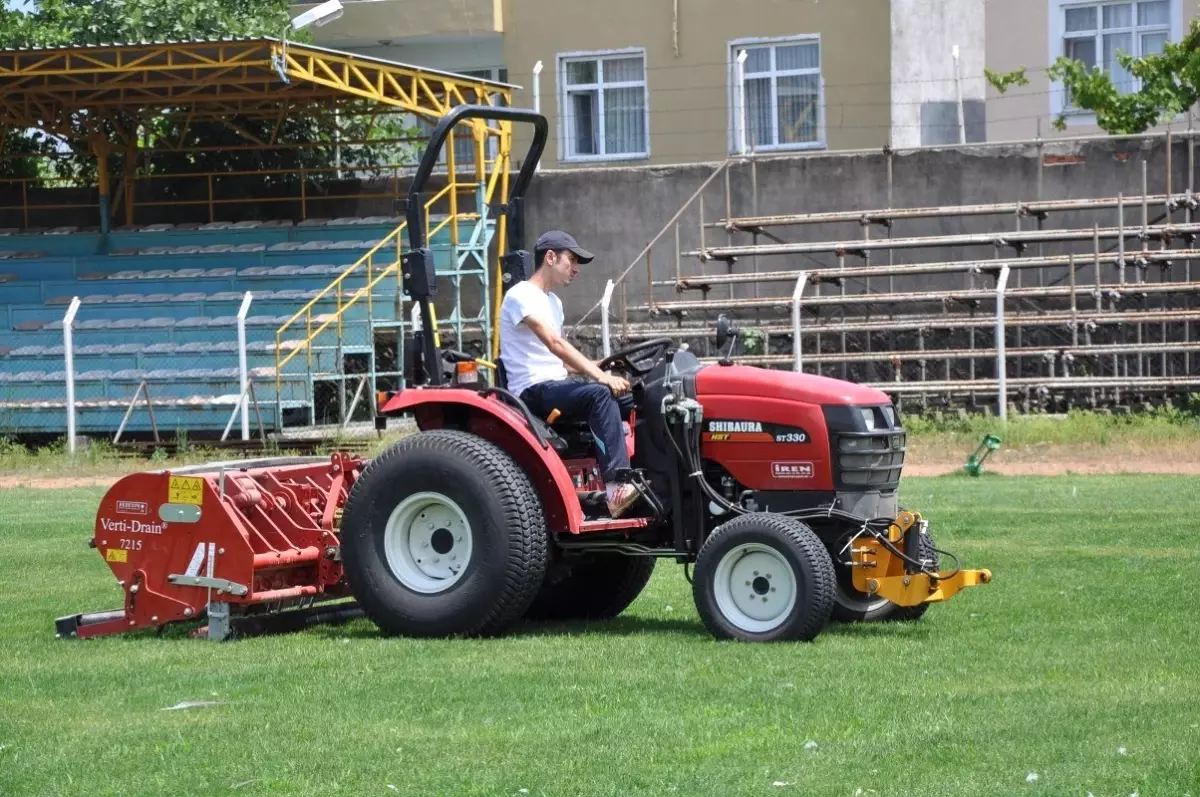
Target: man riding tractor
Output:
{"points": [[537, 359]]}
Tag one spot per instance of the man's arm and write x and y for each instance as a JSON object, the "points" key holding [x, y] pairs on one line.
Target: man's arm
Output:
{"points": [[572, 357]]}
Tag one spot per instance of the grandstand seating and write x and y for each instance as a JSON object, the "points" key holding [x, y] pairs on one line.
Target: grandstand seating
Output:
{"points": [[159, 304]]}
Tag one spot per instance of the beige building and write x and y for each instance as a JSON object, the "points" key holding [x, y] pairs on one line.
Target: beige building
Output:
{"points": [[1034, 33], [658, 81]]}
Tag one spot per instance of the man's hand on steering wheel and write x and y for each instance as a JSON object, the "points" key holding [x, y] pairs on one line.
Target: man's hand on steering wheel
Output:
{"points": [[616, 384], [650, 350]]}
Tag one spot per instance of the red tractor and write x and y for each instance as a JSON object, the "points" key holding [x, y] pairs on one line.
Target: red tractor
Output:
{"points": [[777, 491]]}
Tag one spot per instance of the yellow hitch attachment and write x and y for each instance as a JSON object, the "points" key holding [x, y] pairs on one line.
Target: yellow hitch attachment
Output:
{"points": [[878, 570]]}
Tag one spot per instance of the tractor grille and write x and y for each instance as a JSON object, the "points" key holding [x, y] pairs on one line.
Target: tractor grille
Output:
{"points": [[871, 460], [868, 447]]}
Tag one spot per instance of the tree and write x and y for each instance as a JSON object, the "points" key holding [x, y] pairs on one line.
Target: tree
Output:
{"points": [[71, 22], [1169, 85]]}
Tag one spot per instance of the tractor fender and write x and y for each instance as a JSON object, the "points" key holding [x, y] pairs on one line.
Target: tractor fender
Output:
{"points": [[497, 422]]}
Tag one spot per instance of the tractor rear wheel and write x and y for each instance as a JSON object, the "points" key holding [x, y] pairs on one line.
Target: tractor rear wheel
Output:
{"points": [[763, 578], [597, 586], [852, 606], [443, 535]]}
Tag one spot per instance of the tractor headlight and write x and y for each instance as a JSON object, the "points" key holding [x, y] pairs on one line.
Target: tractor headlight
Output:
{"points": [[868, 416], [889, 417]]}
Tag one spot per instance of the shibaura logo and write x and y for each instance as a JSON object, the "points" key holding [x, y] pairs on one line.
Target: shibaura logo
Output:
{"points": [[753, 432], [734, 426]]}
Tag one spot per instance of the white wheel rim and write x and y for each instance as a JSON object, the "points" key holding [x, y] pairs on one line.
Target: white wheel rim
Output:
{"points": [[427, 543], [755, 587]]}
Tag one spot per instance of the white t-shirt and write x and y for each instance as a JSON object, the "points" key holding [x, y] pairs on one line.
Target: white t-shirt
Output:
{"points": [[527, 361]]}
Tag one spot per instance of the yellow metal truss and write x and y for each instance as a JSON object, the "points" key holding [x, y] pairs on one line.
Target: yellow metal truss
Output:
{"points": [[42, 88], [222, 79]]}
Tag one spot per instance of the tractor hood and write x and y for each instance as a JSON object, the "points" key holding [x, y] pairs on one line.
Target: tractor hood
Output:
{"points": [[742, 380]]}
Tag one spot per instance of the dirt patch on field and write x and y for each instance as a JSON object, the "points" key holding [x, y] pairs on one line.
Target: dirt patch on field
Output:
{"points": [[1058, 460], [56, 482]]}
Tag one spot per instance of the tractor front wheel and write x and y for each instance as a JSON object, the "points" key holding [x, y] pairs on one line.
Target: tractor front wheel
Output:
{"points": [[763, 578], [443, 535]]}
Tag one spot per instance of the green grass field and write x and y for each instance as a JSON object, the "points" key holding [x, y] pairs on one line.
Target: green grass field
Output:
{"points": [[1079, 663]]}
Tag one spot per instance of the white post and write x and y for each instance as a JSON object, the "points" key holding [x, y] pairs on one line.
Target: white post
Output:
{"points": [[740, 86], [243, 371], [962, 128], [69, 353], [537, 87], [1001, 362], [537, 100], [797, 349], [604, 303]]}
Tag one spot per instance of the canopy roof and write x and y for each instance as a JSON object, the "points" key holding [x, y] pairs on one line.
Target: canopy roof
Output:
{"points": [[219, 79]]}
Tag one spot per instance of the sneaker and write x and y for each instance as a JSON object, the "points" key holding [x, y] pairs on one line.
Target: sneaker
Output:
{"points": [[620, 498]]}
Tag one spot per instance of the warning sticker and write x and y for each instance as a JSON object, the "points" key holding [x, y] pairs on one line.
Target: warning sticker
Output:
{"points": [[186, 490], [116, 555]]}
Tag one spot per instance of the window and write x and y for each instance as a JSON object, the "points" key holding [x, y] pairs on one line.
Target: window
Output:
{"points": [[1095, 32], [604, 107], [783, 94]]}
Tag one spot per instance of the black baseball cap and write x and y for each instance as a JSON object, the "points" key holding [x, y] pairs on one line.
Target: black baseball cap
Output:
{"points": [[557, 239]]}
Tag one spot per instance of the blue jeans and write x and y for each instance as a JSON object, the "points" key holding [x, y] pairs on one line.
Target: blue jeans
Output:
{"points": [[593, 402]]}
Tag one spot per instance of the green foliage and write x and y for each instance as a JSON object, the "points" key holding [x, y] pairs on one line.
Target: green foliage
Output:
{"points": [[1169, 85], [67, 22], [1165, 424], [1002, 82]]}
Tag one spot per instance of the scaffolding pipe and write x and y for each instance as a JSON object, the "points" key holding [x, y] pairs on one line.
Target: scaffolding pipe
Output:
{"points": [[69, 354], [920, 354], [797, 349], [749, 223], [1001, 362], [604, 304], [942, 267], [1112, 291], [941, 321], [961, 239]]}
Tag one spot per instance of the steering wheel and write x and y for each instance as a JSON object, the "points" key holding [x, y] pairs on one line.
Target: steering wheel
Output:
{"points": [[653, 348]]}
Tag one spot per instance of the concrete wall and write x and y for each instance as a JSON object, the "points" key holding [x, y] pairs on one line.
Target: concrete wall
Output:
{"points": [[1028, 33], [688, 76], [615, 212], [398, 20], [924, 97]]}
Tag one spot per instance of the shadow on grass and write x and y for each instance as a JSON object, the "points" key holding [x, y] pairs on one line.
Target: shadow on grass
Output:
{"points": [[625, 625], [917, 632]]}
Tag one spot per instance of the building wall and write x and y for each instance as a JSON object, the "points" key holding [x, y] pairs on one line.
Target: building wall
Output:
{"points": [[452, 54], [924, 90], [1028, 33], [688, 75]]}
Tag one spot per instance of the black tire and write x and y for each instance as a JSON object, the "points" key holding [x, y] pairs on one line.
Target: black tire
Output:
{"points": [[773, 540], [506, 560], [852, 606], [594, 586]]}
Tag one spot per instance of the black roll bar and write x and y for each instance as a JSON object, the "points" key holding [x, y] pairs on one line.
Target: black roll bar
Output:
{"points": [[418, 265]]}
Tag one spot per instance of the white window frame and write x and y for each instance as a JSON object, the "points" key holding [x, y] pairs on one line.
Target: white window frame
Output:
{"points": [[566, 115], [1058, 34], [734, 92]]}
